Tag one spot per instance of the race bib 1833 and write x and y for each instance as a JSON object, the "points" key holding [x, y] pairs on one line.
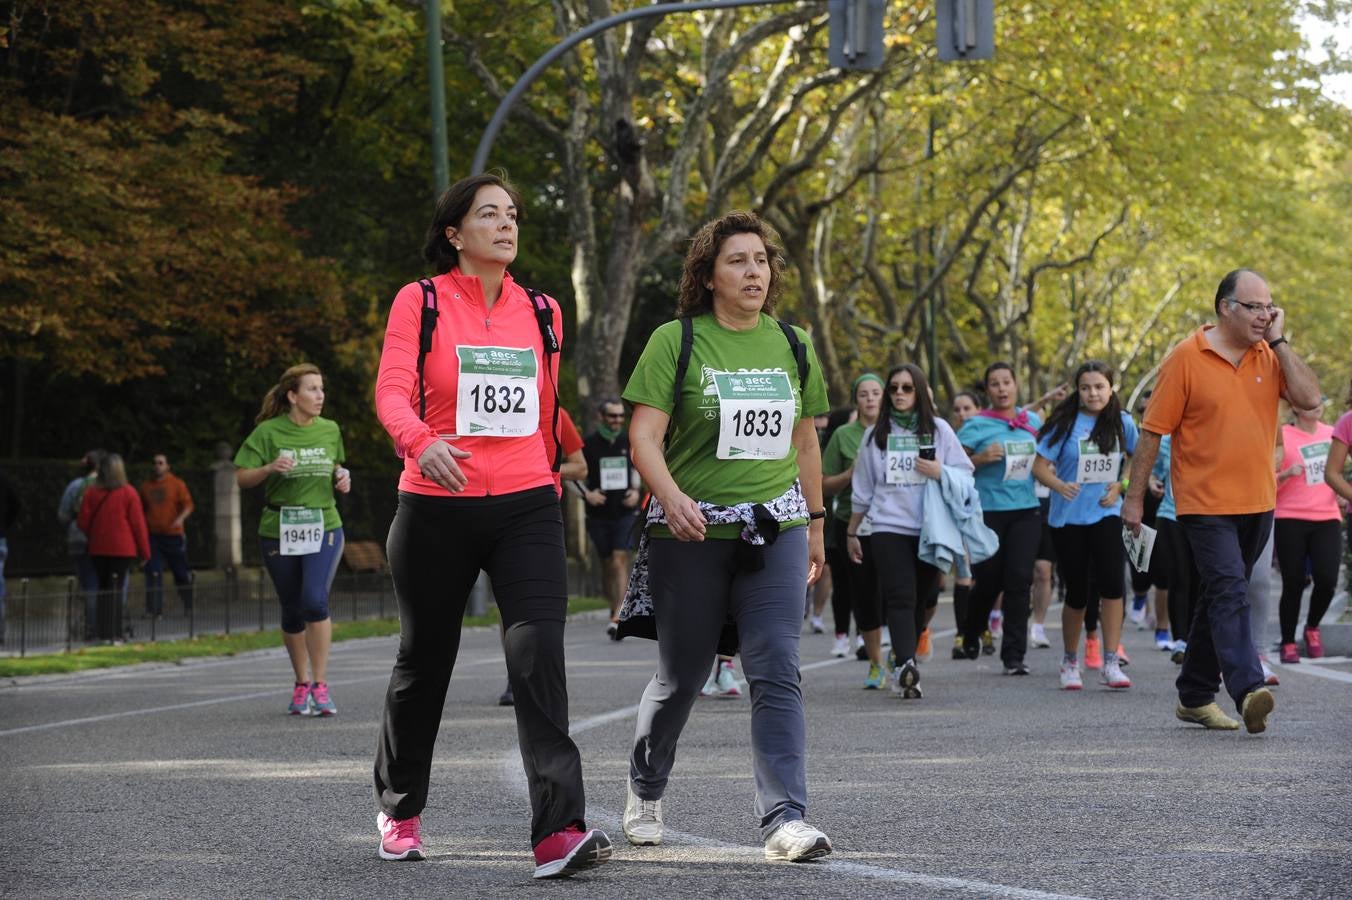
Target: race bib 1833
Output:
{"points": [[756, 415], [498, 395]]}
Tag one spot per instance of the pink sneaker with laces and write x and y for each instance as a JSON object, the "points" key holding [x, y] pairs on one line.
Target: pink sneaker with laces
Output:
{"points": [[323, 703], [1314, 646], [570, 851], [300, 700], [400, 838]]}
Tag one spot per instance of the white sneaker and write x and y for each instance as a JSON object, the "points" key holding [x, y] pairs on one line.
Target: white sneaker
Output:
{"points": [[1038, 636], [841, 648], [818, 626], [642, 820], [887, 637], [1269, 677], [711, 686], [1070, 677], [727, 681], [1112, 675], [996, 623], [797, 841], [1137, 614]]}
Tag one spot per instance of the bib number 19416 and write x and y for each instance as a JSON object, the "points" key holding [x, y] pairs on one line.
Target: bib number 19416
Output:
{"points": [[302, 530]]}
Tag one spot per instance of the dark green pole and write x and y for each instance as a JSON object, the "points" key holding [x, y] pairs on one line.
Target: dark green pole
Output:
{"points": [[436, 84]]}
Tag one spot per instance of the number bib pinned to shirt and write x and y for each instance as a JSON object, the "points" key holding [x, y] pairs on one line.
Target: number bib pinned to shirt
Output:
{"points": [[1019, 460], [614, 473], [1315, 457], [1095, 467], [302, 530], [498, 394], [903, 450], [756, 413]]}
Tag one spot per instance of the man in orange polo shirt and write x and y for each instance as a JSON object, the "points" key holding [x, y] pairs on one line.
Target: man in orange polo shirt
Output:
{"points": [[1217, 395], [167, 504]]}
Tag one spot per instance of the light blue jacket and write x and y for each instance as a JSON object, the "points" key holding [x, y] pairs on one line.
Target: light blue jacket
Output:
{"points": [[954, 531]]}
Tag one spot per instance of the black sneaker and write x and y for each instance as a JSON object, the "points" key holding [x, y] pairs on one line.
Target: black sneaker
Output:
{"points": [[906, 680], [507, 698], [1018, 668]]}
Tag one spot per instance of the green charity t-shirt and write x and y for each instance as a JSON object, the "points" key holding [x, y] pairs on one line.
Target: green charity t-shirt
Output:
{"points": [[838, 456], [692, 451], [318, 449]]}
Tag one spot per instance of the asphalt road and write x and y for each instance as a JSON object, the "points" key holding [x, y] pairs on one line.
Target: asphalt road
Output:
{"points": [[190, 781]]}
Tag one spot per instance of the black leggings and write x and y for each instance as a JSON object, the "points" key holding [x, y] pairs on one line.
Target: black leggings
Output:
{"points": [[113, 572], [1009, 570], [842, 591], [1091, 558], [1295, 541], [905, 585], [437, 546], [1177, 564]]}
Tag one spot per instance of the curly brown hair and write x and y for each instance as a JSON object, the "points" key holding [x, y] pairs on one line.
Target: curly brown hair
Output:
{"points": [[698, 270]]}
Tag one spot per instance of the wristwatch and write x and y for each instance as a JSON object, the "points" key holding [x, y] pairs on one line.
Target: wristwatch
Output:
{"points": [[1273, 343], [819, 514]]}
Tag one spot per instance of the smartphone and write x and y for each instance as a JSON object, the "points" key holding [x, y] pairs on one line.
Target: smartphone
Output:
{"points": [[927, 451]]}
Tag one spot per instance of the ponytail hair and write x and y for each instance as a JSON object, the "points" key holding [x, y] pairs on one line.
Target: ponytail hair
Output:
{"points": [[1107, 433], [275, 402], [924, 406]]}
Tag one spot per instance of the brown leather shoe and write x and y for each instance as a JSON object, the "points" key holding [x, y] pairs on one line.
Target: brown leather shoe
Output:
{"points": [[1255, 709]]}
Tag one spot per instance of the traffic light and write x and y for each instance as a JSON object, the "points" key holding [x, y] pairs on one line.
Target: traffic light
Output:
{"points": [[965, 29], [856, 33]]}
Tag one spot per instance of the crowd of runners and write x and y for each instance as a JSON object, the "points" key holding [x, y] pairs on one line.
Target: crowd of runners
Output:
{"points": [[734, 490]]}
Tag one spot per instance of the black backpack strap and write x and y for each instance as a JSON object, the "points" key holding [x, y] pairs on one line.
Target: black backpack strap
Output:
{"points": [[544, 315], [428, 327], [682, 361], [799, 354]]}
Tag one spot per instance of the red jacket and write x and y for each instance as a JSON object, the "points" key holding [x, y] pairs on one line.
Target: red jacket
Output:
{"points": [[114, 522], [499, 465]]}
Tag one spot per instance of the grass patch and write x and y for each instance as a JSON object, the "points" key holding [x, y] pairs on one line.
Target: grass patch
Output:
{"points": [[103, 657]]}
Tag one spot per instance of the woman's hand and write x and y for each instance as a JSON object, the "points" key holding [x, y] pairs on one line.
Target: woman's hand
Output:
{"points": [[1068, 489], [1291, 471], [930, 468], [342, 480], [994, 452], [683, 517], [816, 552], [1110, 494], [438, 464], [854, 548], [284, 463]]}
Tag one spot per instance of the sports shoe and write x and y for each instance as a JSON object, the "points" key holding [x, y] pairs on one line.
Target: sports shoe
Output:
{"points": [[1314, 647], [886, 639], [1290, 654], [1180, 651], [1257, 705], [841, 648], [958, 652], [400, 839], [987, 643], [1269, 677], [1018, 668], [319, 695], [906, 680], [507, 698], [923, 649], [1209, 716], [877, 678], [796, 841], [1162, 641], [1113, 676], [711, 686], [860, 651], [300, 700], [996, 622], [613, 630], [1137, 613], [727, 680], [570, 851], [1038, 636], [1093, 652], [1122, 657], [818, 626], [1070, 676], [643, 820]]}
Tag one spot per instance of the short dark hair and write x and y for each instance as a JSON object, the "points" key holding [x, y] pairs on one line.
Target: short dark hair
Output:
{"points": [[996, 367], [1226, 290], [452, 207]]}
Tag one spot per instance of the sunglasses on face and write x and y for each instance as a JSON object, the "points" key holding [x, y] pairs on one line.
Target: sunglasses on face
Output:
{"points": [[901, 389]]}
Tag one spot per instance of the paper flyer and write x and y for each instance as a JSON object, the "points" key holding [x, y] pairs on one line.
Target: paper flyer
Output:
{"points": [[1139, 546]]}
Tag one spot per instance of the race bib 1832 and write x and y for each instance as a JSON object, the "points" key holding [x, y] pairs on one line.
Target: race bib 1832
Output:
{"points": [[498, 395], [756, 415]]}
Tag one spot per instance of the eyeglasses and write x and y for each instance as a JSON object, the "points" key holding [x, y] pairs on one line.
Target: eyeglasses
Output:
{"points": [[618, 415], [901, 389], [1254, 308]]}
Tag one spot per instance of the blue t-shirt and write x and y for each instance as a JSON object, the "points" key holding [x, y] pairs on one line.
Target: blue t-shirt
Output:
{"points": [[1167, 510], [997, 493], [1065, 457]]}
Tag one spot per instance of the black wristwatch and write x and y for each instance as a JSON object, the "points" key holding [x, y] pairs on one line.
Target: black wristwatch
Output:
{"points": [[1272, 345], [819, 514]]}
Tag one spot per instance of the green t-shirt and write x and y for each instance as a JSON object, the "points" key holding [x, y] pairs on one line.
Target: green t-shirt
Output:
{"points": [[318, 448], [692, 451], [838, 456]]}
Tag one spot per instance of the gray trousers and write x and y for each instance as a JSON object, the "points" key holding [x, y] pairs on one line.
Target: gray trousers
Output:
{"points": [[695, 587], [1260, 598]]}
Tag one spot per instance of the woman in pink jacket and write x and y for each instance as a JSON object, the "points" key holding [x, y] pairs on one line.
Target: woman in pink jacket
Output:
{"points": [[468, 392], [112, 519]]}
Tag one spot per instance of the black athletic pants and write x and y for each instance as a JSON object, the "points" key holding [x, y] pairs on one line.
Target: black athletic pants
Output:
{"points": [[904, 584], [1091, 558], [1295, 541], [842, 588], [437, 546], [1009, 570]]}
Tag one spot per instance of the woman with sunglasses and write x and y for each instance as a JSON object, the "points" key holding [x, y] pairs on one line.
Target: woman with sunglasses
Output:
{"points": [[1080, 452], [908, 446]]}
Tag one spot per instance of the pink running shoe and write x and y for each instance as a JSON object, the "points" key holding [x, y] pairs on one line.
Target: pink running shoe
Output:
{"points": [[300, 700], [1290, 654], [1314, 647], [400, 838], [1093, 652], [570, 851], [319, 696]]}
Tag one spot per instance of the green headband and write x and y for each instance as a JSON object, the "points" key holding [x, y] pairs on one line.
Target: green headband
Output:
{"points": [[867, 376]]}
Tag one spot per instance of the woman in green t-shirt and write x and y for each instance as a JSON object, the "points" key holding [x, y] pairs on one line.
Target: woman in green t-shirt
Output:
{"points": [[734, 530], [297, 455]]}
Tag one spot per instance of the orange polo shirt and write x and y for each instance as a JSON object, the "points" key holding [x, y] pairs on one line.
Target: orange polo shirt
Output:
{"points": [[1224, 422]]}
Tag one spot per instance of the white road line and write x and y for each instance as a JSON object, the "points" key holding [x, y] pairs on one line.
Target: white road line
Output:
{"points": [[1316, 671]]}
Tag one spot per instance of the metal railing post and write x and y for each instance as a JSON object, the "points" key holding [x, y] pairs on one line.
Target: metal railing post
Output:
{"points": [[70, 612], [23, 622], [231, 578]]}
